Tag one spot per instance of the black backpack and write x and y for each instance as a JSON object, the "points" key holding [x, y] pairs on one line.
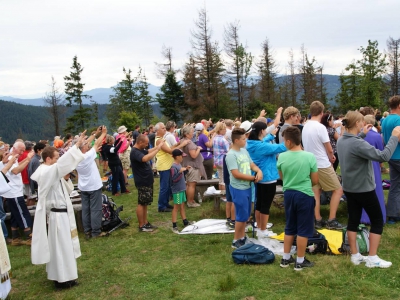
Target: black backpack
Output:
{"points": [[316, 244]]}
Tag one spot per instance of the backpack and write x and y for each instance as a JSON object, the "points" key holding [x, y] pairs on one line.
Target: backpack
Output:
{"points": [[316, 244], [362, 240], [253, 254]]}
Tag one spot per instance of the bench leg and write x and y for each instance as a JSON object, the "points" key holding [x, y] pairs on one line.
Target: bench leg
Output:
{"points": [[217, 203]]}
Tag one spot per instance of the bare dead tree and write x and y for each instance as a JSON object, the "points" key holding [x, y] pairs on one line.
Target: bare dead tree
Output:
{"points": [[162, 69], [55, 103], [393, 54]]}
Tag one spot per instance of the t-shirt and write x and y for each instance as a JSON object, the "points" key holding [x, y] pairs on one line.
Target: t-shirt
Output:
{"points": [[152, 137], [178, 183], [15, 183], [314, 136], [228, 135], [205, 151], [142, 171], [283, 127], [135, 134], [296, 167], [170, 138], [89, 177], [239, 160], [391, 121]]}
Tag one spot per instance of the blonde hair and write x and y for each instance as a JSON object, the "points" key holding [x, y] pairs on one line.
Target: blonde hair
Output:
{"points": [[290, 111], [220, 126], [237, 124], [351, 118], [369, 119]]}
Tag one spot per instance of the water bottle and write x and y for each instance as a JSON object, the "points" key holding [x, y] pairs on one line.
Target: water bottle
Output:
{"points": [[199, 197]]}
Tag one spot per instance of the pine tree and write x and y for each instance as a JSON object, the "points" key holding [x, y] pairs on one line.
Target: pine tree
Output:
{"points": [[267, 73], [144, 98], [171, 98], [82, 116], [349, 96]]}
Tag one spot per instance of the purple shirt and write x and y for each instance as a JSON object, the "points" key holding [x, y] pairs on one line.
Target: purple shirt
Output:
{"points": [[205, 152]]}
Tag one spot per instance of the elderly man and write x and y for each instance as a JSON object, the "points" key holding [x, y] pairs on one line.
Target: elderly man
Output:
{"points": [[60, 247], [90, 185], [163, 164], [20, 216], [143, 176]]}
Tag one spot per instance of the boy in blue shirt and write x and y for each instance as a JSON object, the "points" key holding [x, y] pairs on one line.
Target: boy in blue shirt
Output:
{"points": [[299, 172], [240, 166]]}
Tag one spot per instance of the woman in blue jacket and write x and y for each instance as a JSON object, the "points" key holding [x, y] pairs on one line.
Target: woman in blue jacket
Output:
{"points": [[263, 153]]}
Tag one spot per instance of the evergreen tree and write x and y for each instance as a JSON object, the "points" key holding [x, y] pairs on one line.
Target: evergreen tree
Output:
{"points": [[267, 73], [144, 99], [308, 79], [349, 96], [171, 98], [83, 116]]}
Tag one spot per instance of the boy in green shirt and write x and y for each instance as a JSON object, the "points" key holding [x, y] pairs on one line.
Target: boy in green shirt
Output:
{"points": [[298, 170]]}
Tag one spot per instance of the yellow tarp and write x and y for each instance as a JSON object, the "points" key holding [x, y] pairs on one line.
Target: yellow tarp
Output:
{"points": [[333, 237]]}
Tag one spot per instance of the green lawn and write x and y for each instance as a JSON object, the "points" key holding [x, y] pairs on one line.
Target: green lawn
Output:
{"points": [[163, 265]]}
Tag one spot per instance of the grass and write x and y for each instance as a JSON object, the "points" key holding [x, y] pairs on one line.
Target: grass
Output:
{"points": [[163, 265]]}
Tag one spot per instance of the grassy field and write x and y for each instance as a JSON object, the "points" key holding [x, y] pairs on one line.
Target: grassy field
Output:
{"points": [[163, 265]]}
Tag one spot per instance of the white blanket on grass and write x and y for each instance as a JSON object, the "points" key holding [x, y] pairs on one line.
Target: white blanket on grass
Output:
{"points": [[207, 226]]}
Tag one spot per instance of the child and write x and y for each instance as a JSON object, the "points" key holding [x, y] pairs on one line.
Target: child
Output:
{"points": [[178, 188], [298, 170], [240, 166]]}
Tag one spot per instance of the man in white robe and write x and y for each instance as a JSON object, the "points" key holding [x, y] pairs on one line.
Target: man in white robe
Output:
{"points": [[60, 248]]}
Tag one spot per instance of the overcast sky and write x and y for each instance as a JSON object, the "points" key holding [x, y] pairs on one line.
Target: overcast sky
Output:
{"points": [[39, 38]]}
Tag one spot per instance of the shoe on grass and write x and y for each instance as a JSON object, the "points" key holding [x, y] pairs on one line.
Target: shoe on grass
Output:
{"points": [[230, 225], [17, 242], [286, 262], [334, 224], [145, 229], [193, 204], [165, 210], [239, 243], [148, 225], [175, 230], [379, 263], [102, 234], [305, 264], [319, 224], [356, 260]]}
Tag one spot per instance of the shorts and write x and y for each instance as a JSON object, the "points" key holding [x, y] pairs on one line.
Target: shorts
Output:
{"points": [[145, 195], [327, 179], [228, 194], [242, 201], [220, 170], [299, 213], [193, 175], [179, 197], [125, 159]]}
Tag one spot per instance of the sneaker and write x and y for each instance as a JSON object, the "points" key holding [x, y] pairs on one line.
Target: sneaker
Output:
{"points": [[239, 243], [393, 220], [379, 263], [356, 260], [189, 223], [193, 204], [148, 225], [286, 262], [175, 230], [269, 225], [230, 225], [305, 264], [165, 210], [319, 224], [334, 224], [17, 242], [145, 229]]}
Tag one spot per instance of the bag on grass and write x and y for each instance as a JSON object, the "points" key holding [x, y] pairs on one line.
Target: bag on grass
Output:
{"points": [[316, 244], [362, 240], [253, 254]]}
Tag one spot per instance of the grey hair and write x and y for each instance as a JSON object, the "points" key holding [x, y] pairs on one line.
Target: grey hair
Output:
{"points": [[157, 127], [186, 130]]}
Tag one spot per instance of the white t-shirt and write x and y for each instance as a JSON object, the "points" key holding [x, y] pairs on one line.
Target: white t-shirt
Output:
{"points": [[89, 177], [170, 138], [16, 185], [314, 136], [228, 135]]}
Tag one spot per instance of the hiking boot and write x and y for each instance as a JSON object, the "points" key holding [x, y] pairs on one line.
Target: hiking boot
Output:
{"points": [[230, 225], [239, 243], [305, 264], [102, 234], [334, 224], [379, 263], [175, 230], [148, 225], [319, 224], [356, 260], [193, 204], [145, 228], [286, 262], [17, 242]]}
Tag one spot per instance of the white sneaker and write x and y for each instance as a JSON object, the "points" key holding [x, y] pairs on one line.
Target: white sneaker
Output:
{"points": [[193, 204], [379, 263], [269, 225], [356, 260]]}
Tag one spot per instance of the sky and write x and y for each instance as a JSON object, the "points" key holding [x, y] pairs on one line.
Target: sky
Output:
{"points": [[38, 38]]}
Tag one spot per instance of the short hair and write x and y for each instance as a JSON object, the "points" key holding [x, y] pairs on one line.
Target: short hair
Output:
{"points": [[237, 134], [28, 145], [137, 126], [186, 130], [157, 127], [261, 119], [394, 102], [370, 119], [151, 126], [18, 143], [316, 108], [351, 118], [367, 111], [48, 152], [68, 136], [141, 137], [39, 146], [290, 111], [169, 125], [109, 138], [293, 134], [228, 122]]}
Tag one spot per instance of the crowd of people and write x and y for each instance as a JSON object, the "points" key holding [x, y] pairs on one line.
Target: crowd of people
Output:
{"points": [[250, 159]]}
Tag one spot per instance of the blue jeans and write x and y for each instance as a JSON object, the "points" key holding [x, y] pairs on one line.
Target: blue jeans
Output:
{"points": [[3, 218], [165, 189], [393, 201]]}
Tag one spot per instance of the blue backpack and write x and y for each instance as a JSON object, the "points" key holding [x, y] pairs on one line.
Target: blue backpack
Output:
{"points": [[253, 254]]}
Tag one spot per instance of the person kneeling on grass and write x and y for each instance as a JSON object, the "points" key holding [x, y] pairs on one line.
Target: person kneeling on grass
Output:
{"points": [[298, 197], [178, 188], [240, 166]]}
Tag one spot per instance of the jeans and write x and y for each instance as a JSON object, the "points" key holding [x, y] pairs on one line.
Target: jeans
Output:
{"points": [[3, 218], [393, 202], [165, 189], [117, 176], [92, 211]]}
